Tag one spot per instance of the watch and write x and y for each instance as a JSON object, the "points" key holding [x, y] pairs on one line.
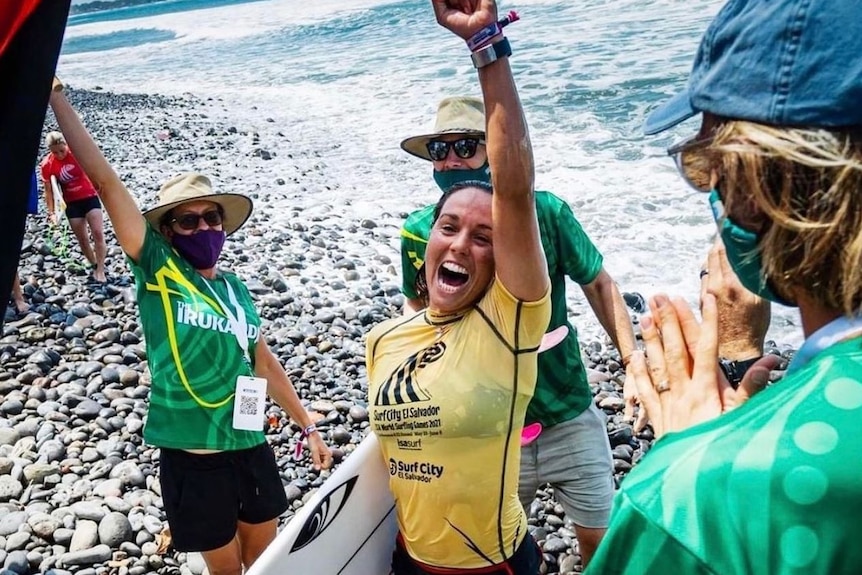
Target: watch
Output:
{"points": [[734, 371], [492, 53]]}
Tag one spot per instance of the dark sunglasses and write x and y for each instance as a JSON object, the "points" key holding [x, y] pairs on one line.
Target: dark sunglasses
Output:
{"points": [[692, 163], [465, 148], [190, 221]]}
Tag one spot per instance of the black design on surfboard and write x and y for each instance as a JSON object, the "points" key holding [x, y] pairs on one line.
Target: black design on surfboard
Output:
{"points": [[324, 514]]}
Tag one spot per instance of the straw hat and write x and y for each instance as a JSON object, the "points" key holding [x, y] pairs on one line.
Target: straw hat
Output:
{"points": [[191, 187], [457, 115]]}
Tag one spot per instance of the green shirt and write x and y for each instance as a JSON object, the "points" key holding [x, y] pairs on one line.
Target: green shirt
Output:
{"points": [[562, 391], [772, 488], [192, 352]]}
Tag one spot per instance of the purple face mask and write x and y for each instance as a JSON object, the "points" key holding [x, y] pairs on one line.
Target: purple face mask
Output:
{"points": [[201, 249]]}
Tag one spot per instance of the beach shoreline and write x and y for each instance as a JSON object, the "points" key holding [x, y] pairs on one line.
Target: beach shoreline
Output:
{"points": [[74, 383]]}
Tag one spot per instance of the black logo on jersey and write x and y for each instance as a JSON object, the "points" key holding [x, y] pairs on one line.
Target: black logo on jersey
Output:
{"points": [[401, 387]]}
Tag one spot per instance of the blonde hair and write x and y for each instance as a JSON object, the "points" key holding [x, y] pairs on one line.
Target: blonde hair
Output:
{"points": [[807, 182], [52, 138]]}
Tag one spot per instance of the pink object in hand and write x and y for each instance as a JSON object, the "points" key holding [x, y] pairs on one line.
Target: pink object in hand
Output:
{"points": [[530, 433]]}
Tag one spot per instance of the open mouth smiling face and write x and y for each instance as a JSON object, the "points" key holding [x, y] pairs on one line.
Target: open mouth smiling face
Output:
{"points": [[451, 277], [460, 255]]}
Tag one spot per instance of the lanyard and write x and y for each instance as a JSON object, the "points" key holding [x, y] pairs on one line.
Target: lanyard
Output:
{"points": [[833, 332], [238, 323]]}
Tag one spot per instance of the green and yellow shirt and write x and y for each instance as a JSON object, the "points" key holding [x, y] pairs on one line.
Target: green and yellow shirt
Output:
{"points": [[193, 354]]}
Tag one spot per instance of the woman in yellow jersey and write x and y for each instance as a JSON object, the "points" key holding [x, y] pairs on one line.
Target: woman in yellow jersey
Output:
{"points": [[771, 486], [211, 367], [449, 386]]}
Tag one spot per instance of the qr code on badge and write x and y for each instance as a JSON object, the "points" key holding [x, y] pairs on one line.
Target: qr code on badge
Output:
{"points": [[247, 405]]}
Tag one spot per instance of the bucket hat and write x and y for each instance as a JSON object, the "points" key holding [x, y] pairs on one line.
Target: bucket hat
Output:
{"points": [[190, 187], [456, 115]]}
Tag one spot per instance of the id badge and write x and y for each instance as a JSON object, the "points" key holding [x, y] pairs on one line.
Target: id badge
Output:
{"points": [[249, 403]]}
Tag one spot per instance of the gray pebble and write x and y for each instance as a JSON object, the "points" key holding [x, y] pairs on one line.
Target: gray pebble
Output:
{"points": [[17, 540], [115, 529], [10, 488], [85, 536], [97, 554], [16, 562]]}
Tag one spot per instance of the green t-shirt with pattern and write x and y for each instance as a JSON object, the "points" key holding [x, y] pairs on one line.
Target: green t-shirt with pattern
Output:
{"points": [[772, 488], [192, 351], [562, 392]]}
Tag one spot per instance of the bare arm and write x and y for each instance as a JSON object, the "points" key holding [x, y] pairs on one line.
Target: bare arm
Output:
{"points": [[610, 309], [278, 387], [518, 255], [129, 224]]}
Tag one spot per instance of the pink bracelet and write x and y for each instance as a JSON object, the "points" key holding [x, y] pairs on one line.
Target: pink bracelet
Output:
{"points": [[297, 452], [483, 36]]}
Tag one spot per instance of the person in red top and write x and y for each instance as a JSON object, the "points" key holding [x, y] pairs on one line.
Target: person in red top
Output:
{"points": [[83, 207]]}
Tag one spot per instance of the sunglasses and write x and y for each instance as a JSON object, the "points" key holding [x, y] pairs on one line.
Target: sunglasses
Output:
{"points": [[693, 164], [465, 148], [191, 221]]}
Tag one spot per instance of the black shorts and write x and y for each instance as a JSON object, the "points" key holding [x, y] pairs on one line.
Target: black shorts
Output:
{"points": [[205, 495], [527, 560], [79, 208]]}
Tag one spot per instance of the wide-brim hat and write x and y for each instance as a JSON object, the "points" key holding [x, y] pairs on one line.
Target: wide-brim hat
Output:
{"points": [[456, 115], [192, 187], [787, 63]]}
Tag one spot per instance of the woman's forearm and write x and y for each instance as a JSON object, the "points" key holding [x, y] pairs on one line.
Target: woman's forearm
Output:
{"points": [[519, 258]]}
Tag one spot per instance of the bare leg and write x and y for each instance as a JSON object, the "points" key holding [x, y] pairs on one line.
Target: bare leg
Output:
{"points": [[225, 560], [18, 295], [97, 230], [588, 541], [79, 228], [254, 538]]}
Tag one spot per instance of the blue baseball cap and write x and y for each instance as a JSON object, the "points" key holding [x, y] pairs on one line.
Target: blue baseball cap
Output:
{"points": [[779, 62]]}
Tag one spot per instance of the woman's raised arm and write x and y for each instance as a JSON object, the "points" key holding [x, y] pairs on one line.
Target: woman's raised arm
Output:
{"points": [[518, 255]]}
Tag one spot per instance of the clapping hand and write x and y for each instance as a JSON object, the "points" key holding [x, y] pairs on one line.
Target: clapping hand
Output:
{"points": [[681, 385], [465, 17], [743, 317]]}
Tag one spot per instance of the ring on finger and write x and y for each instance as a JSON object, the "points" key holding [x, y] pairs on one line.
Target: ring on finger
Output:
{"points": [[662, 386]]}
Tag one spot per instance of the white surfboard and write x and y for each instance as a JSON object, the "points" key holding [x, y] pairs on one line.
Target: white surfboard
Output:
{"points": [[347, 528], [59, 204]]}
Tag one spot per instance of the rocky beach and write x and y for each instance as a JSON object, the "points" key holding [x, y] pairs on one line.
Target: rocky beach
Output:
{"points": [[79, 490]]}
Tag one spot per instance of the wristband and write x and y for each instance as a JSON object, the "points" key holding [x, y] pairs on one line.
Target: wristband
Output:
{"points": [[297, 453], [492, 53], [734, 371], [480, 38]]}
